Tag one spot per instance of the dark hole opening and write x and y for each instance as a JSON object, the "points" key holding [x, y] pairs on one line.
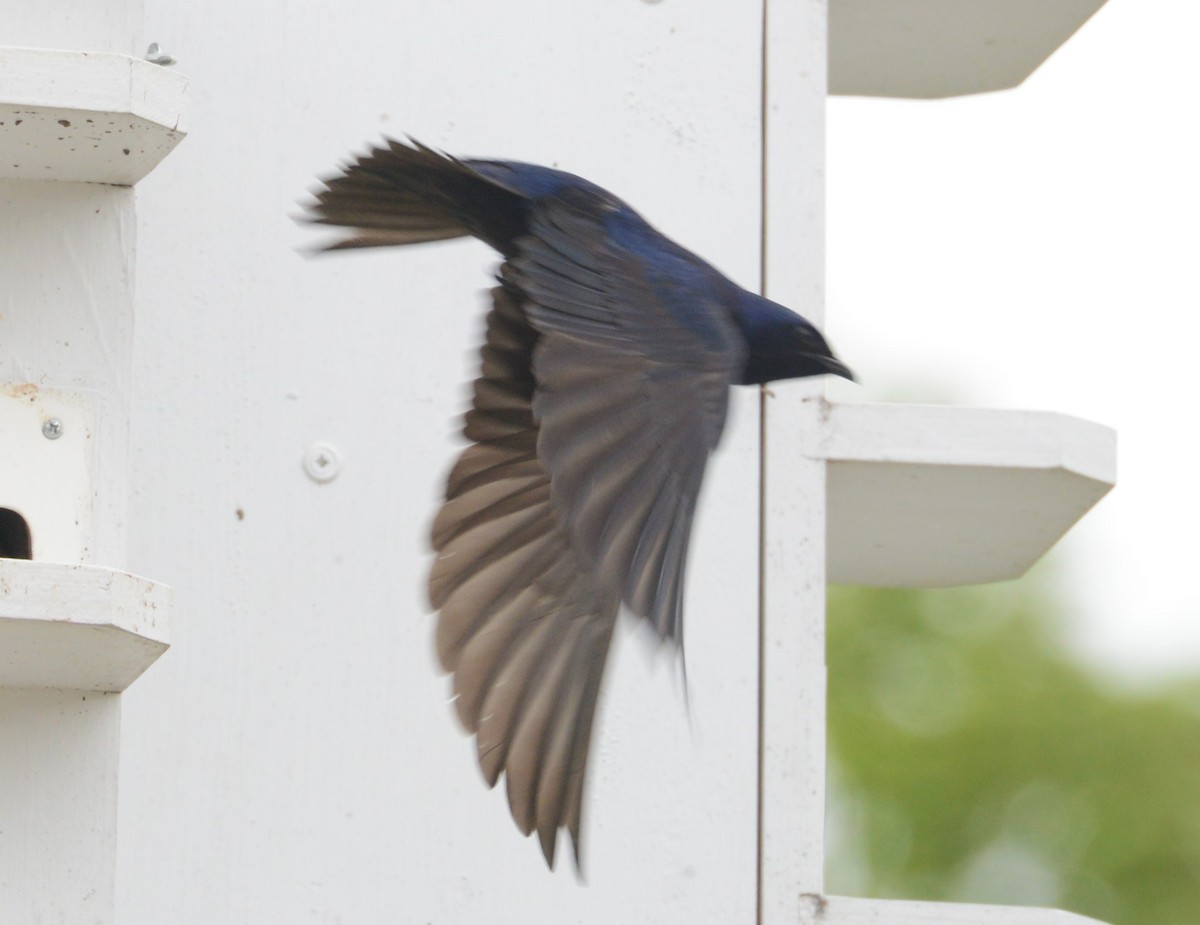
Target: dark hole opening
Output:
{"points": [[15, 541]]}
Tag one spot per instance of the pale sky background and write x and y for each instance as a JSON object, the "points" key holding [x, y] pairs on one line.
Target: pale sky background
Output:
{"points": [[1039, 248]]}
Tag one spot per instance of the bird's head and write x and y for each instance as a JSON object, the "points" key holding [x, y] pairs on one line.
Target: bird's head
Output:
{"points": [[782, 344]]}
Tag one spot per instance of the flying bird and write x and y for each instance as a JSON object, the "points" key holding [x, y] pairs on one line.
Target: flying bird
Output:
{"points": [[605, 378]]}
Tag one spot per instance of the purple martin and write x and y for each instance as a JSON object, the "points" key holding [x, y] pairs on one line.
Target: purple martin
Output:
{"points": [[605, 377]]}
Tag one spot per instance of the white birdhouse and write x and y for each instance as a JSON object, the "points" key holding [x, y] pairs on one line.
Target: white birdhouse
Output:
{"points": [[295, 759]]}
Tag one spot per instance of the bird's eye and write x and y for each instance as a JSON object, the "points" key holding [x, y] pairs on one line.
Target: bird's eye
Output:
{"points": [[805, 335]]}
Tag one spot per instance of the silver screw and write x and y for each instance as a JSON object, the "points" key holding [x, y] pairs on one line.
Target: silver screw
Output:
{"points": [[154, 56], [322, 462], [52, 428]]}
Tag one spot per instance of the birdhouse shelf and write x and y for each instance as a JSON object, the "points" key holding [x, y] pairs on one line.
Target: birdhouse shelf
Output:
{"points": [[841, 910], [927, 496], [925, 49], [78, 627], [86, 116]]}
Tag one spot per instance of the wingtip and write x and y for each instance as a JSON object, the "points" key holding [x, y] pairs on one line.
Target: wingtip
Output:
{"points": [[577, 854], [548, 837]]}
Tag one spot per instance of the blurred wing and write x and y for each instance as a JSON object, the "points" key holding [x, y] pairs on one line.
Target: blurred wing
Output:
{"points": [[521, 625], [633, 373]]}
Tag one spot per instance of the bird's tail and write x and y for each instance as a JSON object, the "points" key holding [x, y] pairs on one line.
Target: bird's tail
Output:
{"points": [[408, 194]]}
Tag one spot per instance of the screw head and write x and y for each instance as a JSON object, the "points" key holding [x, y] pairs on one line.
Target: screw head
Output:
{"points": [[52, 428], [322, 462], [155, 56]]}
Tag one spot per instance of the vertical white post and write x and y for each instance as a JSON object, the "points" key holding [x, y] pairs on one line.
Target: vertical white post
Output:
{"points": [[67, 325], [58, 805], [792, 622], [66, 341]]}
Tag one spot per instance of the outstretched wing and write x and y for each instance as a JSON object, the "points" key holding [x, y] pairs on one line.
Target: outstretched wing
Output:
{"points": [[522, 624]]}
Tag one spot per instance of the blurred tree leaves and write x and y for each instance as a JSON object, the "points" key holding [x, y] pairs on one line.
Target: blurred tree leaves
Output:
{"points": [[973, 759]]}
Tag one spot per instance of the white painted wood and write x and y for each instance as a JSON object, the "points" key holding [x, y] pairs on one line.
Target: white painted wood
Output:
{"points": [[939, 48], [87, 116], [78, 627], [66, 328], [792, 617], [841, 910], [112, 25], [926, 496], [58, 807], [792, 749], [48, 482]]}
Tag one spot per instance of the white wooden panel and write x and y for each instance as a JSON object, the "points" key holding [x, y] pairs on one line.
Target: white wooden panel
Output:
{"points": [[792, 667], [939, 48], [58, 767], [300, 709], [86, 116], [114, 25], [66, 324], [793, 657]]}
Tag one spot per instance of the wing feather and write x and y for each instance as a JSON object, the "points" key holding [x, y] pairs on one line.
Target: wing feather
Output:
{"points": [[522, 625]]}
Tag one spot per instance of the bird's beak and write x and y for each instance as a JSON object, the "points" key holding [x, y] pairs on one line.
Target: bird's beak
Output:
{"points": [[836, 367]]}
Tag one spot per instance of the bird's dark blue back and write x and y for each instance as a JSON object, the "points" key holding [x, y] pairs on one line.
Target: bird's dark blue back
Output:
{"points": [[685, 284], [532, 181]]}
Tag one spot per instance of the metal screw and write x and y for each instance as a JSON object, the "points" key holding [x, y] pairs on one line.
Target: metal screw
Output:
{"points": [[154, 56], [322, 462], [52, 428]]}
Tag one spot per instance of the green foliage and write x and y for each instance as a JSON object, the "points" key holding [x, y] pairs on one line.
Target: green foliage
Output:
{"points": [[972, 759]]}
